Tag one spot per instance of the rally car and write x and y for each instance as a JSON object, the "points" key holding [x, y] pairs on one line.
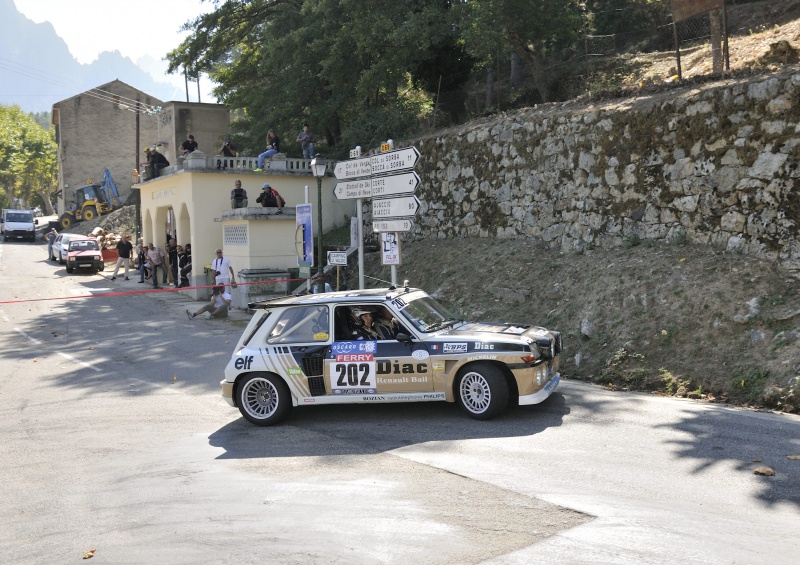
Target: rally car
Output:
{"points": [[318, 349], [84, 253]]}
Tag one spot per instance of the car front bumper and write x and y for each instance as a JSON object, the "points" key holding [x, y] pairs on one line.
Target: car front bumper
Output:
{"points": [[543, 394], [227, 392]]}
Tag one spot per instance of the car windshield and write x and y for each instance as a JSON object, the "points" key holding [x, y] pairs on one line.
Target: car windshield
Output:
{"points": [[84, 245], [423, 312], [18, 217]]}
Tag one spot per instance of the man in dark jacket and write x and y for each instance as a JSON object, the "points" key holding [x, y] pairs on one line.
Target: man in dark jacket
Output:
{"points": [[157, 161], [270, 199]]}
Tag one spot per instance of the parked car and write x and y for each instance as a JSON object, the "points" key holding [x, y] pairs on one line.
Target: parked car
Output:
{"points": [[84, 253], [309, 350], [61, 246]]}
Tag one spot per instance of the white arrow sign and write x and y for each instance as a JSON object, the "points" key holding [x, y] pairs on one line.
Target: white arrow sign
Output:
{"points": [[392, 225], [353, 169], [399, 160], [353, 189], [403, 183], [403, 207], [337, 257]]}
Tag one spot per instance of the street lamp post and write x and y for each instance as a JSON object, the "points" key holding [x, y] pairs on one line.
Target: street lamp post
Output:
{"points": [[318, 167]]}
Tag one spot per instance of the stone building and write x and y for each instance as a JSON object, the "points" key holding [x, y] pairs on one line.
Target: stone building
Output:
{"points": [[100, 129]]}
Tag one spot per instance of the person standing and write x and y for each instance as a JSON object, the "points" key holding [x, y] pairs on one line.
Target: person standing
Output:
{"points": [[124, 252], [51, 239], [185, 264], [141, 252], [217, 307], [156, 259], [188, 146], [273, 146], [228, 149], [307, 139], [238, 196], [223, 271], [172, 257]]}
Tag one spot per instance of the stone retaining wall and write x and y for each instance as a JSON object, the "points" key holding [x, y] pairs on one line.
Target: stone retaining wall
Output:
{"points": [[715, 165]]}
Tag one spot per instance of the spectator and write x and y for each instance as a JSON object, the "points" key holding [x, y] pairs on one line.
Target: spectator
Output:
{"points": [[222, 267], [217, 307], [141, 251], [156, 259], [238, 196], [273, 146], [188, 146], [185, 264], [307, 140], [156, 161], [228, 149], [124, 252], [269, 198], [172, 259], [51, 239]]}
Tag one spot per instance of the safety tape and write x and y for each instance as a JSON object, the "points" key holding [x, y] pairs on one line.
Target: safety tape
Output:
{"points": [[148, 291]]}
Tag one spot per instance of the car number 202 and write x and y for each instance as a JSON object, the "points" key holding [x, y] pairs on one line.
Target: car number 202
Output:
{"points": [[349, 376]]}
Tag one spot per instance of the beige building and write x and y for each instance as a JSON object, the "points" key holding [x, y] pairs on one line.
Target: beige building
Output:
{"points": [[97, 129], [191, 200]]}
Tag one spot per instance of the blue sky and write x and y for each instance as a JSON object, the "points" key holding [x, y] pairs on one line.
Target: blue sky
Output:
{"points": [[142, 31]]}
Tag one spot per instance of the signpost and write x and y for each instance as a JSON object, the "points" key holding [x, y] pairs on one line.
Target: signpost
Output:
{"points": [[401, 207], [337, 258], [389, 173], [392, 225]]}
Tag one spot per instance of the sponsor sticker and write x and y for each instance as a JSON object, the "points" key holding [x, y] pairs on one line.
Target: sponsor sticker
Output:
{"points": [[420, 354], [345, 347], [514, 330], [355, 357], [309, 400], [294, 371], [438, 365], [483, 357], [480, 346], [321, 336], [454, 348], [399, 303]]}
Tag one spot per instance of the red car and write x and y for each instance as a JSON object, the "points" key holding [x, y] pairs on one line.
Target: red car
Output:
{"points": [[84, 253]]}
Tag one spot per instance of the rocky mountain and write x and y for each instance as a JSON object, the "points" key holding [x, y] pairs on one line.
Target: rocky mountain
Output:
{"points": [[37, 69]]}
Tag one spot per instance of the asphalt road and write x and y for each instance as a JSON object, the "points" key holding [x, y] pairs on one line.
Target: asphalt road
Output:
{"points": [[115, 438]]}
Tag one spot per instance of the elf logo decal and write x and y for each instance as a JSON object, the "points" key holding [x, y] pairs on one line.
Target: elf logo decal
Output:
{"points": [[244, 363], [389, 368], [454, 348]]}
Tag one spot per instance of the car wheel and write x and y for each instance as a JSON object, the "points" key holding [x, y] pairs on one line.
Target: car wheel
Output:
{"points": [[60, 258], [481, 391], [70, 269], [263, 399]]}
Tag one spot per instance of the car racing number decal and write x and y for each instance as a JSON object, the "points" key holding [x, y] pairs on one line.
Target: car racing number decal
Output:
{"points": [[353, 373]]}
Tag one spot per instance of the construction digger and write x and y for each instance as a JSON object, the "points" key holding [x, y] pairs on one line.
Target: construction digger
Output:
{"points": [[91, 201]]}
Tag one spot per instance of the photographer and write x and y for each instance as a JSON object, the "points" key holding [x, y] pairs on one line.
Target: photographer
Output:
{"points": [[223, 271], [217, 306], [228, 149]]}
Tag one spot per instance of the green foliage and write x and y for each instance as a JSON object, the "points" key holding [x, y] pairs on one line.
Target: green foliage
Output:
{"points": [[747, 384], [631, 240], [27, 156]]}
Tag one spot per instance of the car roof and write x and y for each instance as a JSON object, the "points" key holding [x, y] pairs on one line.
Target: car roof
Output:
{"points": [[373, 295], [74, 237]]}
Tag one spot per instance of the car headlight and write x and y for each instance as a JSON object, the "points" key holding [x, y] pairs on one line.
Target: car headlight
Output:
{"points": [[70, 258], [97, 257]]}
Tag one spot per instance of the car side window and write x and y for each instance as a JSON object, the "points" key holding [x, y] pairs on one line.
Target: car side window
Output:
{"points": [[302, 324]]}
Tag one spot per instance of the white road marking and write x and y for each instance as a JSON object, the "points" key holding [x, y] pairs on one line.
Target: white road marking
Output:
{"points": [[64, 355]]}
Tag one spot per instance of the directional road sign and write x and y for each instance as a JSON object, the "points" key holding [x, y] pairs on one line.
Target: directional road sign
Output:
{"points": [[392, 225], [337, 257], [401, 183], [353, 189], [399, 160], [402, 207], [353, 169]]}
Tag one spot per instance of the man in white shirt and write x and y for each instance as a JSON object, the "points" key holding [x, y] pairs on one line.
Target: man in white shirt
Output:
{"points": [[217, 306], [222, 265]]}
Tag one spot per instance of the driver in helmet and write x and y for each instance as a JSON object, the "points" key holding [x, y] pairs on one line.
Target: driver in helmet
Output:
{"points": [[363, 328]]}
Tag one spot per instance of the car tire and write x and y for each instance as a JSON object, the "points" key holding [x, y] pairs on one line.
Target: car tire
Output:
{"points": [[481, 391], [70, 269], [263, 399], [60, 259]]}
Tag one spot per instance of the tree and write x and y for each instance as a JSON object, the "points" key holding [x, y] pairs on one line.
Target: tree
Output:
{"points": [[27, 157]]}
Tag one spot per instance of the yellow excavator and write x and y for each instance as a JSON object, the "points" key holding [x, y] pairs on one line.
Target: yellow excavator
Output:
{"points": [[91, 201]]}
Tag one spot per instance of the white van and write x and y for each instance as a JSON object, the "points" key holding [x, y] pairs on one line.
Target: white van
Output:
{"points": [[19, 224]]}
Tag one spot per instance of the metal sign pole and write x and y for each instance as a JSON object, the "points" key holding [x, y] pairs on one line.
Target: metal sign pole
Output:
{"points": [[360, 213]]}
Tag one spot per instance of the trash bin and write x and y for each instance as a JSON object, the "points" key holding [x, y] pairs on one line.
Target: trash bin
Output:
{"points": [[211, 278]]}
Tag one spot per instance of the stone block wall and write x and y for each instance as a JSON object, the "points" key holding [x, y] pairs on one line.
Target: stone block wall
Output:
{"points": [[715, 165]]}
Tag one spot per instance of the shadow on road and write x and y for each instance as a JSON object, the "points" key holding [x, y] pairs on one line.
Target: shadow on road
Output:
{"points": [[367, 429]]}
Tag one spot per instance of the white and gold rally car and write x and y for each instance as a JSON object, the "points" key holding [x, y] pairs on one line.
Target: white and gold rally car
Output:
{"points": [[322, 349]]}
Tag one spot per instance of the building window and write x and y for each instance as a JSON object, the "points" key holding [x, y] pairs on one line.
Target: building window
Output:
{"points": [[235, 235]]}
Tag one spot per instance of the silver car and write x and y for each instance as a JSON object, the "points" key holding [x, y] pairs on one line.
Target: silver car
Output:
{"points": [[61, 246]]}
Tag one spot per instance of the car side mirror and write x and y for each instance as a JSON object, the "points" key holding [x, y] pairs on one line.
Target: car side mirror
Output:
{"points": [[405, 338]]}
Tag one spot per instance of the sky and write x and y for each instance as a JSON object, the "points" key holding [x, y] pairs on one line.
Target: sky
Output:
{"points": [[144, 32]]}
